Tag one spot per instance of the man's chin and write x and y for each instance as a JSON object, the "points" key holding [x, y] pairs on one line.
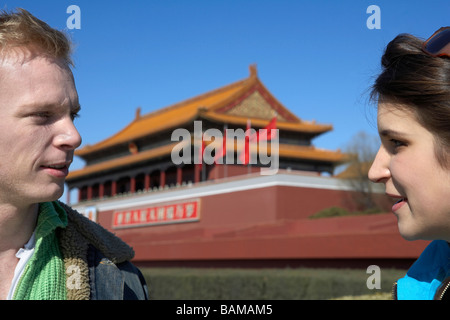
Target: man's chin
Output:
{"points": [[53, 193]]}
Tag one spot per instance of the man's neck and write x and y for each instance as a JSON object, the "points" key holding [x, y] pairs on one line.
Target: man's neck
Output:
{"points": [[16, 225]]}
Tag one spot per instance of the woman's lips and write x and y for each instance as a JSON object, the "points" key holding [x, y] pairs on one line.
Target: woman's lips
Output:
{"points": [[400, 203]]}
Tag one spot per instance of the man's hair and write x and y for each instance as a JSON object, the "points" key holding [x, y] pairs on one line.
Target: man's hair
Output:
{"points": [[22, 29]]}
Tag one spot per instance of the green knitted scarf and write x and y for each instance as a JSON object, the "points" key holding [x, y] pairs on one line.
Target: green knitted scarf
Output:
{"points": [[44, 277]]}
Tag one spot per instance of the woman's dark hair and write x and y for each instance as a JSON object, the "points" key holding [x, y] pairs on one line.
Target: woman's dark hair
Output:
{"points": [[413, 80]]}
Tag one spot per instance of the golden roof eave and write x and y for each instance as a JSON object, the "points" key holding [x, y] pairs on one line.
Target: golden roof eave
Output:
{"points": [[285, 151], [121, 162]]}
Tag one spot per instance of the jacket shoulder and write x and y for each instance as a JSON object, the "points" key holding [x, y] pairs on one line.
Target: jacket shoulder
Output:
{"points": [[121, 281], [426, 275], [105, 241]]}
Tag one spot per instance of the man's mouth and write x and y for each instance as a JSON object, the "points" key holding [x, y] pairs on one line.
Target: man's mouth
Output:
{"points": [[58, 170], [58, 166]]}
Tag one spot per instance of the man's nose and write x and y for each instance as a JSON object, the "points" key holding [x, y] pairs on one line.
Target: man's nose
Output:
{"points": [[68, 136]]}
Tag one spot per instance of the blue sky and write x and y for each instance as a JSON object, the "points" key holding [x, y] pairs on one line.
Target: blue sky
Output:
{"points": [[317, 57]]}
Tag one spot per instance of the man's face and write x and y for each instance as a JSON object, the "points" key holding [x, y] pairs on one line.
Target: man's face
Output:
{"points": [[38, 102]]}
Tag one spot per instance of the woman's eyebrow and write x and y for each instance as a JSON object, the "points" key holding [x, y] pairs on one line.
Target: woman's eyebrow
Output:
{"points": [[390, 133]]}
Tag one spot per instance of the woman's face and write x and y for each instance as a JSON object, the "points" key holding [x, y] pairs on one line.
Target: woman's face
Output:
{"points": [[407, 165]]}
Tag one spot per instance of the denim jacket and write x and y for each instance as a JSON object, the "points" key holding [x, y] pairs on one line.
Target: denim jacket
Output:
{"points": [[109, 281]]}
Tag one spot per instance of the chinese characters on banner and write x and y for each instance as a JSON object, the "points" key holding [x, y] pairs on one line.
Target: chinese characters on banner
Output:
{"points": [[155, 215]]}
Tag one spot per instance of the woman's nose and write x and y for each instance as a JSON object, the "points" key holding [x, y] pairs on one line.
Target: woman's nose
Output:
{"points": [[379, 171]]}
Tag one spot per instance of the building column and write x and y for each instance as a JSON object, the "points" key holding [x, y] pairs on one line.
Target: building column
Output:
{"points": [[89, 192], [197, 171], [101, 190], [147, 181], [133, 184], [179, 175], [80, 191], [113, 188], [162, 179]]}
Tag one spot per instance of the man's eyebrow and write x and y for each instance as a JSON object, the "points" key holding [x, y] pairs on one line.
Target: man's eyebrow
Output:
{"points": [[73, 106]]}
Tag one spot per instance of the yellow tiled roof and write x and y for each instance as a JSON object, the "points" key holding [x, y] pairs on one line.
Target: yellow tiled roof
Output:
{"points": [[168, 117], [203, 106], [301, 126]]}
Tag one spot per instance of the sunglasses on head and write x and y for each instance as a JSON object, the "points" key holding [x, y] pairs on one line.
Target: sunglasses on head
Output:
{"points": [[438, 45]]}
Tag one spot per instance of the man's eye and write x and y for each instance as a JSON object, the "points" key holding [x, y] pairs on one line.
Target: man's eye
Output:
{"points": [[42, 115], [74, 115]]}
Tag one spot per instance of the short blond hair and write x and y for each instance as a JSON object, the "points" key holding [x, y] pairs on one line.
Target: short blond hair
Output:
{"points": [[22, 29]]}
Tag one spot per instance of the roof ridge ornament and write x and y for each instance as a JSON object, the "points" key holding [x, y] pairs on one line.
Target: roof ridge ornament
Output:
{"points": [[253, 70], [138, 113]]}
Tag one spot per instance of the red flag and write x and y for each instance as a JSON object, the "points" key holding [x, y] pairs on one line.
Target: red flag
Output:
{"points": [[269, 132], [245, 155], [200, 153]]}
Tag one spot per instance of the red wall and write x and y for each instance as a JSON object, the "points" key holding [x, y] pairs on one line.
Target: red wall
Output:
{"points": [[269, 224]]}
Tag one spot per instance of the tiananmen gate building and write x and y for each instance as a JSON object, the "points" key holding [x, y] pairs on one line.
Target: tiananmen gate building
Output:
{"points": [[229, 212]]}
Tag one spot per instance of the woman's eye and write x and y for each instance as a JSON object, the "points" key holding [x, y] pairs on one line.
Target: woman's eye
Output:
{"points": [[397, 143]]}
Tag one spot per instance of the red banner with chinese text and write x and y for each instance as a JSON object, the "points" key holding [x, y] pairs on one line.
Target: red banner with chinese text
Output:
{"points": [[156, 215]]}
